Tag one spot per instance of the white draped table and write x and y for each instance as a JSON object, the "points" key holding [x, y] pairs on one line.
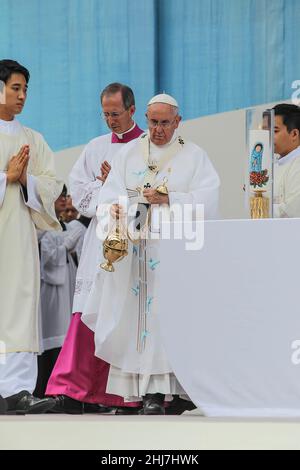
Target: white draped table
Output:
{"points": [[230, 317]]}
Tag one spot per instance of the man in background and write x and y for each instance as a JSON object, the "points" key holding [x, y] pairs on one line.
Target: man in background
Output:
{"points": [[79, 378], [287, 168]]}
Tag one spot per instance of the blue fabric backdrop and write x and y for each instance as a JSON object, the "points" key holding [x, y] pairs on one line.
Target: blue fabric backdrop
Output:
{"points": [[212, 55]]}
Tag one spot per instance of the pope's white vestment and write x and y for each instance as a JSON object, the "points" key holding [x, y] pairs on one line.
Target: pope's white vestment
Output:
{"points": [[139, 364]]}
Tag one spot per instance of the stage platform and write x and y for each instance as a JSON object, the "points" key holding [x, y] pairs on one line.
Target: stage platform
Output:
{"points": [[109, 432]]}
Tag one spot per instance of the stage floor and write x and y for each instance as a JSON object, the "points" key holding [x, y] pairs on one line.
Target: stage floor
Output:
{"points": [[109, 432]]}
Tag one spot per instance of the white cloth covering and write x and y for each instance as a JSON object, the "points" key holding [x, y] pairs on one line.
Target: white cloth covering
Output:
{"points": [[18, 371], [232, 317], [58, 274], [85, 189], [19, 267], [112, 307], [287, 185]]}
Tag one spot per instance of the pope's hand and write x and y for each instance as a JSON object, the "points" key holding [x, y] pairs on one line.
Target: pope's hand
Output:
{"points": [[116, 211], [154, 197]]}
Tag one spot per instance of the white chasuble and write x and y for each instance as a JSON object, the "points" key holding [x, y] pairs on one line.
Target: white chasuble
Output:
{"points": [[113, 307]]}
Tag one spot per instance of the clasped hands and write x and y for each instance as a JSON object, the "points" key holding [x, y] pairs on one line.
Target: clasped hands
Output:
{"points": [[17, 166]]}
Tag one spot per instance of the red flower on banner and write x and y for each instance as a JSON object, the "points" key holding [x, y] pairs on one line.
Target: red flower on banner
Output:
{"points": [[259, 178]]}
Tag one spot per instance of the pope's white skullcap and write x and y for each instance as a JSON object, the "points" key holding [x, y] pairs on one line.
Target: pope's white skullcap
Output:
{"points": [[163, 98]]}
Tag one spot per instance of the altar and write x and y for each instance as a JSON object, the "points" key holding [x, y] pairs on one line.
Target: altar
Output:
{"points": [[230, 317]]}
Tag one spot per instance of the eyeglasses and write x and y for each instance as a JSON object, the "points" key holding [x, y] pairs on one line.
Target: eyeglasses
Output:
{"points": [[153, 124], [113, 115]]}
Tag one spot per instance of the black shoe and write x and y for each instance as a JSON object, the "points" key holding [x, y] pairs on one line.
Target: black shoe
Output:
{"points": [[153, 404], [178, 405], [97, 408], [128, 410], [25, 403], [64, 404], [3, 405]]}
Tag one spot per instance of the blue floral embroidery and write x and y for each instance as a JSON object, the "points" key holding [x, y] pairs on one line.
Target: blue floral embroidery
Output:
{"points": [[144, 334], [153, 264], [149, 302], [135, 250], [136, 290], [139, 173]]}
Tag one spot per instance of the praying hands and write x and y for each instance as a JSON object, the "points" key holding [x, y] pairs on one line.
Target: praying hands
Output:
{"points": [[17, 166]]}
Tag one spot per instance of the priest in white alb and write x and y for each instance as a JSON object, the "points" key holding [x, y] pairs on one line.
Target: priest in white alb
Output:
{"points": [[122, 307], [28, 189], [79, 378]]}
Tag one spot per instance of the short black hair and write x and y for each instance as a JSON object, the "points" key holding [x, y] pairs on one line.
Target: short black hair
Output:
{"points": [[126, 91], [8, 67], [290, 114]]}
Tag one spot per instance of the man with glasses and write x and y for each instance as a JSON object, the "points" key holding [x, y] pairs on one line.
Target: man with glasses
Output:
{"points": [[79, 378], [158, 169]]}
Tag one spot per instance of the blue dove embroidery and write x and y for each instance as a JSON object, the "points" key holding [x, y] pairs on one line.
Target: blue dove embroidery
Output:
{"points": [[153, 264], [136, 290], [149, 302], [144, 334], [139, 173]]}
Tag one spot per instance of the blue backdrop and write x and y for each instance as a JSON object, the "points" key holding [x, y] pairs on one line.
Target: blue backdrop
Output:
{"points": [[212, 55]]}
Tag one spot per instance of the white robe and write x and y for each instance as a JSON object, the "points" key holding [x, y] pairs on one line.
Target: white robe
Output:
{"points": [[112, 307], [79, 243], [18, 371], [19, 267], [287, 185], [85, 189], [58, 274]]}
